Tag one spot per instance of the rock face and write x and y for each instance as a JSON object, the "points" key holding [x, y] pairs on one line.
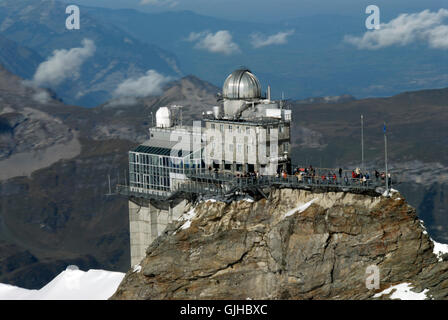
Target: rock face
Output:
{"points": [[296, 245]]}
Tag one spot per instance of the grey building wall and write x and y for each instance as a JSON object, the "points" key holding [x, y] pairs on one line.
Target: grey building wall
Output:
{"points": [[147, 220]]}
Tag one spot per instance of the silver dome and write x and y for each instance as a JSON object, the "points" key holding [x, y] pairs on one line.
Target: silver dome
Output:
{"points": [[241, 84]]}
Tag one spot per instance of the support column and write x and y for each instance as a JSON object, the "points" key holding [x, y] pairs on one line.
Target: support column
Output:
{"points": [[147, 222]]}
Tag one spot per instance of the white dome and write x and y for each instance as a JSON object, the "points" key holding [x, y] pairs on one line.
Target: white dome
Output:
{"points": [[241, 84], [163, 117]]}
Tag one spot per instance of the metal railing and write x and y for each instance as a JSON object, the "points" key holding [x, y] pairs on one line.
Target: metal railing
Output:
{"points": [[292, 180], [209, 182]]}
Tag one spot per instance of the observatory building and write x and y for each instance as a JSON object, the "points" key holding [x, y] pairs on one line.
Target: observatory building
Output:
{"points": [[253, 131], [245, 133]]}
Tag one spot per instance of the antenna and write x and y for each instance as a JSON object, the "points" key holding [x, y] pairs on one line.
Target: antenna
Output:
{"points": [[281, 101], [385, 157], [362, 143], [110, 190]]}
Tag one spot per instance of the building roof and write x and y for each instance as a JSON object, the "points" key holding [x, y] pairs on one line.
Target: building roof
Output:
{"points": [[164, 148], [241, 84]]}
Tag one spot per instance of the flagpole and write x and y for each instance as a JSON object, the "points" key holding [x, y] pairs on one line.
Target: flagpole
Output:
{"points": [[385, 157], [362, 143]]}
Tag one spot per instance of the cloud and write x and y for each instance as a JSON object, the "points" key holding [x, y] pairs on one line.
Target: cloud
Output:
{"points": [[121, 102], [63, 64], [259, 40], [149, 84], [220, 42], [41, 96], [424, 26], [168, 3]]}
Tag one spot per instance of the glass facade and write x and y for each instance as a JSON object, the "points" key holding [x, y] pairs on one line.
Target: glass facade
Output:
{"points": [[154, 171]]}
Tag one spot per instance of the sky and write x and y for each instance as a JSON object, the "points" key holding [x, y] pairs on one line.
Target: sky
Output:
{"points": [[270, 10]]}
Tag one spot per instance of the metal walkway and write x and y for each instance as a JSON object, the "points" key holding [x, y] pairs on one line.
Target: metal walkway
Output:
{"points": [[209, 183]]}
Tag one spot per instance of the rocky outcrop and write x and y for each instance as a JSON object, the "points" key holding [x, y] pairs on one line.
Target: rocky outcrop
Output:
{"points": [[296, 245]]}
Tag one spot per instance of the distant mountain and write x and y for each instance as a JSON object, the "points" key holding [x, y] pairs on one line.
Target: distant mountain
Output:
{"points": [[40, 26], [314, 62], [54, 163], [328, 99], [22, 60], [56, 159]]}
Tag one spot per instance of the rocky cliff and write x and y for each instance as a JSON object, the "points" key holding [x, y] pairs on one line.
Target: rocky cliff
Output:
{"points": [[296, 245]]}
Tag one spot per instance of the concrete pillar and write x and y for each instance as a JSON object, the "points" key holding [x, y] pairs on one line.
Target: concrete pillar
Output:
{"points": [[147, 222]]}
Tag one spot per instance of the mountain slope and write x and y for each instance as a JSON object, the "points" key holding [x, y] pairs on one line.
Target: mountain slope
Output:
{"points": [[22, 60], [295, 245], [55, 212], [40, 25]]}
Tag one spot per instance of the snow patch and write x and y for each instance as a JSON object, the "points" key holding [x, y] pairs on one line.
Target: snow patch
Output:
{"points": [[187, 217], [299, 209], [403, 292], [390, 192], [246, 198], [439, 249], [137, 268], [71, 284], [210, 199]]}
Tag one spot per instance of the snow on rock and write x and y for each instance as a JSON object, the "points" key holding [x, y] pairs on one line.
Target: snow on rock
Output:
{"points": [[71, 284], [187, 217], [403, 292], [390, 192], [299, 209], [422, 224], [247, 199], [439, 249], [137, 268]]}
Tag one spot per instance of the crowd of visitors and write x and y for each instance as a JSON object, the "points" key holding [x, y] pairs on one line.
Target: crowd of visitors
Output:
{"points": [[311, 175]]}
